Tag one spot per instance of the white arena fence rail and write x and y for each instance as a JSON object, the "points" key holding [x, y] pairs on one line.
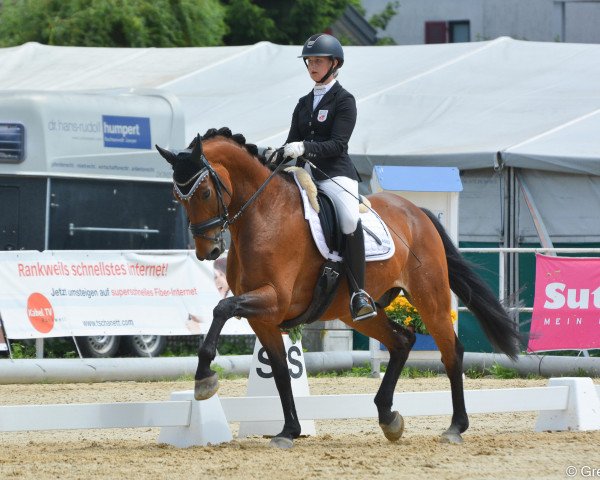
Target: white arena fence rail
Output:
{"points": [[565, 404]]}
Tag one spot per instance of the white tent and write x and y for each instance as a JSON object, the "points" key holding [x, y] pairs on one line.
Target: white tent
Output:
{"points": [[481, 106]]}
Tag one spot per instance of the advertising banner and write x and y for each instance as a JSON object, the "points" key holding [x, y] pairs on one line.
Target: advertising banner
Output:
{"points": [[566, 309], [78, 293], [126, 132]]}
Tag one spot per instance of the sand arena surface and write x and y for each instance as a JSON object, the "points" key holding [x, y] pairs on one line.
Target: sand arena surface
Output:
{"points": [[498, 446]]}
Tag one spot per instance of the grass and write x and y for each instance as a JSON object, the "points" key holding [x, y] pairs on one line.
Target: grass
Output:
{"points": [[226, 375], [475, 372], [504, 373], [223, 375], [360, 371], [412, 372], [500, 372], [365, 371], [580, 372]]}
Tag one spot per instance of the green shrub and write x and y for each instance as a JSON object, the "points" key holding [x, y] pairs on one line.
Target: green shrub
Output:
{"points": [[498, 371]]}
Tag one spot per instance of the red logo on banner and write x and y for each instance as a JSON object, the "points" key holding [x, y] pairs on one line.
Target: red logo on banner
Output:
{"points": [[566, 308], [40, 312]]}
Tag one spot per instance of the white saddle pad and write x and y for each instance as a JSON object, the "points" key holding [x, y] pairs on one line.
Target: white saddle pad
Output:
{"points": [[369, 219]]}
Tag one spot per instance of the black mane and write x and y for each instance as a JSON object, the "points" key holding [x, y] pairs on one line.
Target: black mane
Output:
{"points": [[241, 140], [226, 133], [184, 169]]}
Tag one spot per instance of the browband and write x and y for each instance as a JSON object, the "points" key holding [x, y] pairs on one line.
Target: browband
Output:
{"points": [[200, 176]]}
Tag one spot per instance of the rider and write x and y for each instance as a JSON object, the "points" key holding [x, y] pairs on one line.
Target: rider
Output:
{"points": [[322, 123]]}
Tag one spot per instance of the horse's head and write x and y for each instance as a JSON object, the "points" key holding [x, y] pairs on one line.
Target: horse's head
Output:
{"points": [[203, 194]]}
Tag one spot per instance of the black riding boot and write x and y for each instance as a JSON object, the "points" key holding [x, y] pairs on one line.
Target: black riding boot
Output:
{"points": [[361, 304]]}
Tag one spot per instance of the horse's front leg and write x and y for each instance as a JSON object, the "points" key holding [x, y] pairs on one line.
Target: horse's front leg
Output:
{"points": [[271, 340], [257, 302]]}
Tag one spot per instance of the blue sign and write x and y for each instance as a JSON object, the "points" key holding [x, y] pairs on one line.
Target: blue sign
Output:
{"points": [[126, 132], [418, 179]]}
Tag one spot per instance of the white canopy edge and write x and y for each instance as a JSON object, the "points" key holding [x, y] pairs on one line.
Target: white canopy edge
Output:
{"points": [[531, 105]]}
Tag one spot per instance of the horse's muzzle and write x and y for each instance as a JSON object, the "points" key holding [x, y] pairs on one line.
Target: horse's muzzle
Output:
{"points": [[215, 253], [212, 255]]}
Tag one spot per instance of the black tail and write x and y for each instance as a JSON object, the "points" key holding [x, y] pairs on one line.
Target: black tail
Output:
{"points": [[478, 297]]}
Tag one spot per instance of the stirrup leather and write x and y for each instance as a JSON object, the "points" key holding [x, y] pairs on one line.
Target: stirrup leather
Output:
{"points": [[366, 311]]}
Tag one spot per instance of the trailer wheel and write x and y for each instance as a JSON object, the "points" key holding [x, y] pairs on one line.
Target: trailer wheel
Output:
{"points": [[101, 346], [145, 345]]}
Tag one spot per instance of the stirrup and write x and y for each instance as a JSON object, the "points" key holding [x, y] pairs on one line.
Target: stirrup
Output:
{"points": [[366, 311]]}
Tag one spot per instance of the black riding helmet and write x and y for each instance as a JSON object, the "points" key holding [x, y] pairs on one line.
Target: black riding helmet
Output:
{"points": [[323, 45]]}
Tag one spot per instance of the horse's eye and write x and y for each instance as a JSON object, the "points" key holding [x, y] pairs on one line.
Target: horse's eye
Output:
{"points": [[206, 194]]}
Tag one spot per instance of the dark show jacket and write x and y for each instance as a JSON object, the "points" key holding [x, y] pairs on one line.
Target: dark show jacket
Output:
{"points": [[326, 131]]}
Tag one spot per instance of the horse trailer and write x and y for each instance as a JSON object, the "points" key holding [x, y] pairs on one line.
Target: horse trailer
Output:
{"points": [[78, 171]]}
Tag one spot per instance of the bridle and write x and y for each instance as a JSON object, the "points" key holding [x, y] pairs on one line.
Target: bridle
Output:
{"points": [[222, 218]]}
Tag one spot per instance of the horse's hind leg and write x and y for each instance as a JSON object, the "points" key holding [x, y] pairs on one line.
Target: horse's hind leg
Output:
{"points": [[435, 312], [454, 370], [398, 340]]}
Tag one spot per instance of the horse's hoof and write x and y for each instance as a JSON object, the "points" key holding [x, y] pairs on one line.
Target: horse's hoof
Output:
{"points": [[206, 387], [281, 442], [451, 437], [394, 430]]}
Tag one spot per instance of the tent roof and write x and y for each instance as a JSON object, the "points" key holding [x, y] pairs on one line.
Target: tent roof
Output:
{"points": [[472, 105]]}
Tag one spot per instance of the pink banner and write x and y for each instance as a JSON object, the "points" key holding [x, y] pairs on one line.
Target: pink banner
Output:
{"points": [[566, 308]]}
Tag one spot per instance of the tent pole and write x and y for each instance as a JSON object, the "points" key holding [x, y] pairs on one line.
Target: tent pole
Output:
{"points": [[538, 222]]}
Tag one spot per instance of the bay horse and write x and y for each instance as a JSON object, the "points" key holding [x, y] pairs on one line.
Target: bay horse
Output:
{"points": [[273, 265]]}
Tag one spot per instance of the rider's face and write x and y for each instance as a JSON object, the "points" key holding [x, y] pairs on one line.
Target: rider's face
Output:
{"points": [[318, 67]]}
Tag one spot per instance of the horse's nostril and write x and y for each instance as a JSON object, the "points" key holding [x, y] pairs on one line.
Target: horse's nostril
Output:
{"points": [[214, 254]]}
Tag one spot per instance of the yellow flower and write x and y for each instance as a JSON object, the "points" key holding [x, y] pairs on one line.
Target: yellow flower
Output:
{"points": [[401, 311]]}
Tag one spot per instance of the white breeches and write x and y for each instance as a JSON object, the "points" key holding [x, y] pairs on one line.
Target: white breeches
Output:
{"points": [[345, 199]]}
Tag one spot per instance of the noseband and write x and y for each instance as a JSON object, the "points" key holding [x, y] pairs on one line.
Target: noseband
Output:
{"points": [[222, 218]]}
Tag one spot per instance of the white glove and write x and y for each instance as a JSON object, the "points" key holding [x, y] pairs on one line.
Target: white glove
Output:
{"points": [[293, 150]]}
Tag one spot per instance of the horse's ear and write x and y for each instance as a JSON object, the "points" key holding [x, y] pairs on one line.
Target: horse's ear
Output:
{"points": [[167, 155], [196, 154]]}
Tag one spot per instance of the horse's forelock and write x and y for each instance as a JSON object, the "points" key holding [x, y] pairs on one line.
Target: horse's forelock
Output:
{"points": [[184, 170]]}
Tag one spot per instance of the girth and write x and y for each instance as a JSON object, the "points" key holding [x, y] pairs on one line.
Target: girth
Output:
{"points": [[323, 295]]}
